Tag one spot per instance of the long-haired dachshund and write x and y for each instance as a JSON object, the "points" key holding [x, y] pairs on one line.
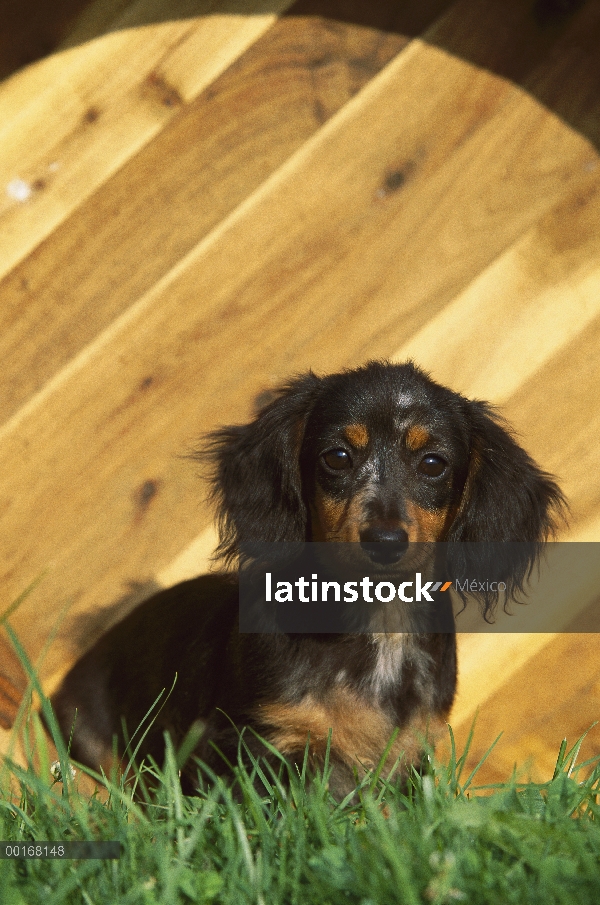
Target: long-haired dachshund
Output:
{"points": [[381, 457]]}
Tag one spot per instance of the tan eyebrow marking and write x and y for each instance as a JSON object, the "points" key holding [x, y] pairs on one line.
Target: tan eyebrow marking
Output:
{"points": [[357, 435], [417, 437]]}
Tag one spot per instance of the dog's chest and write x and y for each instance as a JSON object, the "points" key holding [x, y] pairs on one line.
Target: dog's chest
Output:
{"points": [[360, 714]]}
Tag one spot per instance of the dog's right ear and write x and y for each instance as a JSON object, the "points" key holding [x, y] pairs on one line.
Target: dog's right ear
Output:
{"points": [[256, 481]]}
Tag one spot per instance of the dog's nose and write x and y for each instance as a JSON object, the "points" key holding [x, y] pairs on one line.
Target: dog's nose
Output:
{"points": [[384, 545]]}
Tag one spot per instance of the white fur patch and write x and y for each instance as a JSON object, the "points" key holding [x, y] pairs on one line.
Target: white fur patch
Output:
{"points": [[388, 664]]}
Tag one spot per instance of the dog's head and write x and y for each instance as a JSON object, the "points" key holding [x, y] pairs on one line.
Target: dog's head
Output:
{"points": [[384, 457]]}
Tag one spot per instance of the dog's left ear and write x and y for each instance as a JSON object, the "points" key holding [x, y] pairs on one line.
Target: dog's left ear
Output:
{"points": [[509, 507]]}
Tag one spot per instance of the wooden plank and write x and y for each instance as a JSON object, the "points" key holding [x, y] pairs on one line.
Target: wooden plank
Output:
{"points": [[200, 181], [526, 334], [101, 84], [554, 694], [558, 409], [101, 103], [207, 160], [502, 684], [532, 302]]}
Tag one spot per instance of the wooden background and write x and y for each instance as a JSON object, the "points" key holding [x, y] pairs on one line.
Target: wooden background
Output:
{"points": [[198, 199]]}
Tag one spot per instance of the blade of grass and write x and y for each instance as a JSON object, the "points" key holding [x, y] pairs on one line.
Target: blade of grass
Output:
{"points": [[480, 763], [47, 710]]}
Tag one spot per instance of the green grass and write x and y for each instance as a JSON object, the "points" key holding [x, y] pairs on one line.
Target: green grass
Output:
{"points": [[268, 841], [272, 837]]}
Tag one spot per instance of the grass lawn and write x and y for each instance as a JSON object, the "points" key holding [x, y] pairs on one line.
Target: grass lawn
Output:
{"points": [[272, 837], [440, 840]]}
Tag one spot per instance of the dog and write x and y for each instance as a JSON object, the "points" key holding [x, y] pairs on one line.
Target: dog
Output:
{"points": [[379, 457]]}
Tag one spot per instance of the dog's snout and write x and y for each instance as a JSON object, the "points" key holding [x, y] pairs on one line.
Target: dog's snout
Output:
{"points": [[384, 545]]}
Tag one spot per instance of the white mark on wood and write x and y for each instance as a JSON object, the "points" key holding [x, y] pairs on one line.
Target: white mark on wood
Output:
{"points": [[19, 190]]}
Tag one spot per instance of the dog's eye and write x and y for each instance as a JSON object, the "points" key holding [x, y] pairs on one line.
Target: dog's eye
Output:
{"points": [[338, 459], [432, 466]]}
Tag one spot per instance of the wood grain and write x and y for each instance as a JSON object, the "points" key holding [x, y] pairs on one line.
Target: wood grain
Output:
{"points": [[103, 102], [211, 157], [557, 698], [535, 300]]}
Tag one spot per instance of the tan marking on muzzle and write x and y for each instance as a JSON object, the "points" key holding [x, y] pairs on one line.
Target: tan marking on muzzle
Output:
{"points": [[427, 525], [335, 520]]}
